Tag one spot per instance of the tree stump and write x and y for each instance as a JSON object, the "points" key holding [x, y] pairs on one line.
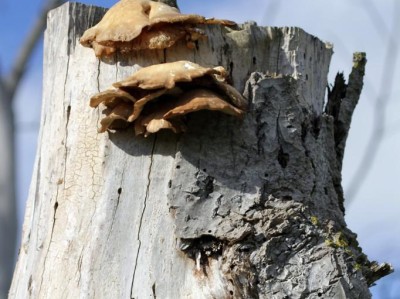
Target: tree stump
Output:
{"points": [[230, 209]]}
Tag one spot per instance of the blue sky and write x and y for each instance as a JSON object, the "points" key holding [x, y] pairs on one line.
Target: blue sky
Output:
{"points": [[357, 25]]}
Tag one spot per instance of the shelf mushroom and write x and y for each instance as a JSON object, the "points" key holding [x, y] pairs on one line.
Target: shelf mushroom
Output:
{"points": [[143, 24], [158, 96]]}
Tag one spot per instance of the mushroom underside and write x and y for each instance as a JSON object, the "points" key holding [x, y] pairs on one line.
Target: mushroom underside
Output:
{"points": [[165, 111], [159, 96]]}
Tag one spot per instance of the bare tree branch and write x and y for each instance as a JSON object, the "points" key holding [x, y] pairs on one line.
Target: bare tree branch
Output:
{"points": [[8, 86], [10, 83], [376, 18], [342, 100], [381, 103], [272, 11]]}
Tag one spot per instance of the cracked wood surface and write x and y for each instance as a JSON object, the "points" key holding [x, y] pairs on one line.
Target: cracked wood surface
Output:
{"points": [[230, 209]]}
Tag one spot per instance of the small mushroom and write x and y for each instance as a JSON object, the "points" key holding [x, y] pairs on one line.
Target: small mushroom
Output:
{"points": [[143, 24], [111, 98], [117, 118], [156, 97], [153, 119], [139, 105]]}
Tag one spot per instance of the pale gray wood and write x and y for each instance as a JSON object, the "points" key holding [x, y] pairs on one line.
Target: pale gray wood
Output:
{"points": [[230, 209]]}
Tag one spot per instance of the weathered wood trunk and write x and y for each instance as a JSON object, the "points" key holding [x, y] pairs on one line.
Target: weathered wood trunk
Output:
{"points": [[230, 209]]}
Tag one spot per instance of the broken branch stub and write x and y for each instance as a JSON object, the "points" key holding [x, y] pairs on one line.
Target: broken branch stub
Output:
{"points": [[156, 97], [132, 25]]}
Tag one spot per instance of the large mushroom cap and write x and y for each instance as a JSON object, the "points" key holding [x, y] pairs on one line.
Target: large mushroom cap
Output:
{"points": [[166, 75], [111, 97], [166, 114], [143, 24], [201, 99], [122, 22], [162, 13]]}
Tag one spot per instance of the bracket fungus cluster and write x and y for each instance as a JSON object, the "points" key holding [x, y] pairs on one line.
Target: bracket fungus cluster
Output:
{"points": [[157, 97], [143, 24]]}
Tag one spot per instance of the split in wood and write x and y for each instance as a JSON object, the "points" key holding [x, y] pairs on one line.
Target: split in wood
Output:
{"points": [[143, 24], [157, 97]]}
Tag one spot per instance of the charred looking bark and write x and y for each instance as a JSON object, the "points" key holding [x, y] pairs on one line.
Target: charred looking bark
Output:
{"points": [[342, 101], [273, 218]]}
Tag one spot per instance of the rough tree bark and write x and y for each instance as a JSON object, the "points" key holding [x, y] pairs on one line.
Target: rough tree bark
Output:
{"points": [[231, 209]]}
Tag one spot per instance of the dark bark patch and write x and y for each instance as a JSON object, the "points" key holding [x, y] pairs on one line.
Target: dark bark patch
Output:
{"points": [[205, 185], [202, 249], [283, 158]]}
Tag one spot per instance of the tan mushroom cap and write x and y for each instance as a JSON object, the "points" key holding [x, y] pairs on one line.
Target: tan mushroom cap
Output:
{"points": [[153, 125], [142, 24], [201, 99], [153, 120], [166, 75], [156, 125], [139, 105], [120, 112], [111, 97], [167, 114], [231, 92]]}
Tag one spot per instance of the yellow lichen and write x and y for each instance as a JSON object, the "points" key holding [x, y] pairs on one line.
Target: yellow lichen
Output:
{"points": [[314, 220]]}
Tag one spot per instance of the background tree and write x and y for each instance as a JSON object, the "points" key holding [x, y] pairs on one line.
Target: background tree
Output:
{"points": [[8, 205]]}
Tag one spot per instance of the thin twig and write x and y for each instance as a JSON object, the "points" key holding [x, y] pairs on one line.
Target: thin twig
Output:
{"points": [[376, 18], [381, 103], [272, 10]]}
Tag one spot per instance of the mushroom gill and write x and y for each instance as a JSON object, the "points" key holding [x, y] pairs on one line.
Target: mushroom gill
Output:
{"points": [[143, 24], [157, 97]]}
